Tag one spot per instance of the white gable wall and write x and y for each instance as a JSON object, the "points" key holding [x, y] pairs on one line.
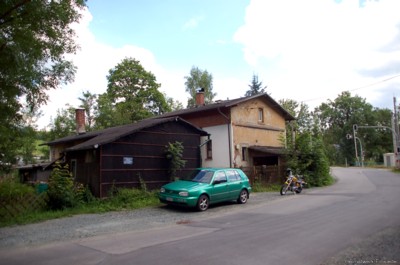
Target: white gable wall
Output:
{"points": [[220, 146]]}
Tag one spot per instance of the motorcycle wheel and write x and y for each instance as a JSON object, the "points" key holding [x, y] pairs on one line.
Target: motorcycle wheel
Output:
{"points": [[284, 189], [299, 189]]}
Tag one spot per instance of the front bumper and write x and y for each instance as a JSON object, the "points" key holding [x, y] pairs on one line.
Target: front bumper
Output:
{"points": [[177, 200]]}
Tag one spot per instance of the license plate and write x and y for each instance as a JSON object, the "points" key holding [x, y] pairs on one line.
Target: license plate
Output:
{"points": [[170, 199]]}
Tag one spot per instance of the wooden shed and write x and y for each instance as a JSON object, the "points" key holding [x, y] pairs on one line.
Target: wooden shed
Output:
{"points": [[128, 155]]}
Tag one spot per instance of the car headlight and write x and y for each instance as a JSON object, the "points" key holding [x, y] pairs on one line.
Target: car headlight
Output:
{"points": [[162, 190], [183, 193]]}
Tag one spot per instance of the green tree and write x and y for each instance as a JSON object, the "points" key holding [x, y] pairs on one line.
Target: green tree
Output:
{"points": [[199, 79], [63, 124], [133, 93], [35, 36], [174, 104], [304, 119], [104, 112], [305, 154], [88, 102], [336, 119], [256, 87], [174, 153]]}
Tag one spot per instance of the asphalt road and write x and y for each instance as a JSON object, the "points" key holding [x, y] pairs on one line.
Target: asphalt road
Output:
{"points": [[309, 228]]}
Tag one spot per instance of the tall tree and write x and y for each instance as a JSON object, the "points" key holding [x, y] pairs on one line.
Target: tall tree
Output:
{"points": [[256, 87], [35, 36], [199, 79], [304, 119], [174, 104], [305, 153], [104, 112], [63, 124], [336, 119], [88, 102], [134, 93]]}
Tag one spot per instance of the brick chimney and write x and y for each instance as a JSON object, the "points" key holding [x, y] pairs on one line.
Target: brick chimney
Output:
{"points": [[80, 121], [200, 97]]}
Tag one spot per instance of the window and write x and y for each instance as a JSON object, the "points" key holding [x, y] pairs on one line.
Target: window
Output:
{"points": [[260, 115], [244, 153], [233, 175], [73, 168], [220, 177], [209, 150]]}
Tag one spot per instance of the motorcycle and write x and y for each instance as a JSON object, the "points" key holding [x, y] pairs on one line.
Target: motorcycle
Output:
{"points": [[293, 183]]}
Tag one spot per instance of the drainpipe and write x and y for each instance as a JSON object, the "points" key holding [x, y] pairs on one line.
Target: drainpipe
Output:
{"points": [[200, 146], [229, 136]]}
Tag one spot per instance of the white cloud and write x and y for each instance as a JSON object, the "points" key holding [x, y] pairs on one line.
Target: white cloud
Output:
{"points": [[316, 49], [192, 23], [93, 62], [309, 50]]}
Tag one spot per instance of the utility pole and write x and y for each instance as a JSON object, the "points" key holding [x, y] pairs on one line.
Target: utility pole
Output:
{"points": [[355, 127], [396, 138]]}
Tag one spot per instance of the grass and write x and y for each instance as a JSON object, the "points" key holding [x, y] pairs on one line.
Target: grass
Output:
{"points": [[258, 187], [121, 200], [124, 199], [396, 170]]}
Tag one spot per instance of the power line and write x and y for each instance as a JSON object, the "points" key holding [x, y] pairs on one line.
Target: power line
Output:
{"points": [[358, 88]]}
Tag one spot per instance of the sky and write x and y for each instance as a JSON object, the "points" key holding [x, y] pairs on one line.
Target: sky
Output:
{"points": [[309, 51]]}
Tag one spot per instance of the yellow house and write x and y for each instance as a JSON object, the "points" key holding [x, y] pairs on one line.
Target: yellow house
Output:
{"points": [[246, 133]]}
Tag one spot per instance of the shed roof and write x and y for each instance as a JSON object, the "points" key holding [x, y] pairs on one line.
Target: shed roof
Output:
{"points": [[101, 137], [268, 149]]}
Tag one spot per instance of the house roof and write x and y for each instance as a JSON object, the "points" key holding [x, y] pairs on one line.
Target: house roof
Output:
{"points": [[229, 104], [101, 137]]}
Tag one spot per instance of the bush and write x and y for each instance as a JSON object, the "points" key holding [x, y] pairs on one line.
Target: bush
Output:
{"points": [[308, 158], [174, 154], [125, 198], [61, 188], [83, 194], [11, 189], [18, 200]]}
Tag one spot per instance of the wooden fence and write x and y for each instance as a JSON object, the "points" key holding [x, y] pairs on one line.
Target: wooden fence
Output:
{"points": [[265, 174], [11, 208]]}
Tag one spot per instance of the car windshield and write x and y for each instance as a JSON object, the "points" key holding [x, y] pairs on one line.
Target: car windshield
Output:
{"points": [[203, 176]]}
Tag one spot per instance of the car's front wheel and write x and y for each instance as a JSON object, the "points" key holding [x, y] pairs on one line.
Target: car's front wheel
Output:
{"points": [[203, 203], [243, 196]]}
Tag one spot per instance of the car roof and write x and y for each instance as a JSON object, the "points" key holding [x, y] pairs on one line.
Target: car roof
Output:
{"points": [[217, 168]]}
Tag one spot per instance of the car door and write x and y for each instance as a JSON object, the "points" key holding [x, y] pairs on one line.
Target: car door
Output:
{"points": [[234, 183], [219, 191]]}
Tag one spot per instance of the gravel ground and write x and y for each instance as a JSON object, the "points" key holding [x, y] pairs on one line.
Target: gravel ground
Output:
{"points": [[380, 248], [89, 225]]}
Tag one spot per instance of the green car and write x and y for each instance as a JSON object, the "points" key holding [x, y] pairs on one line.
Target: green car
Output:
{"points": [[206, 186]]}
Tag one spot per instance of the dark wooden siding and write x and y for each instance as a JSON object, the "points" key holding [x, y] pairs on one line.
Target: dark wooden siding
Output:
{"points": [[86, 168], [144, 157], [207, 118]]}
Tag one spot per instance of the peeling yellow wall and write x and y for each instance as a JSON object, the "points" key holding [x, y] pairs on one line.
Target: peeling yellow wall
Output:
{"points": [[248, 130]]}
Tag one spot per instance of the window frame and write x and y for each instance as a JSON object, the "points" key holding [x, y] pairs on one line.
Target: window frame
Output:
{"points": [[209, 150], [260, 115]]}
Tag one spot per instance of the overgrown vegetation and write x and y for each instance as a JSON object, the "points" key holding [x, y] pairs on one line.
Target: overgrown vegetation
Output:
{"points": [[259, 187], [77, 199], [174, 154], [305, 152], [64, 201]]}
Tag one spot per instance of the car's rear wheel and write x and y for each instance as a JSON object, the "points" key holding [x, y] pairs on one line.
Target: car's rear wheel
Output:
{"points": [[203, 203], [243, 196]]}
